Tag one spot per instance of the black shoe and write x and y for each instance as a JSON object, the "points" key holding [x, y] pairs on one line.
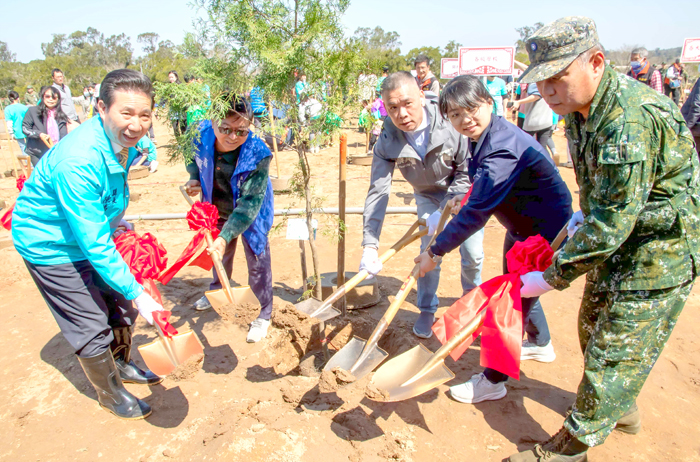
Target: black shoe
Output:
{"points": [[104, 376], [128, 370]]}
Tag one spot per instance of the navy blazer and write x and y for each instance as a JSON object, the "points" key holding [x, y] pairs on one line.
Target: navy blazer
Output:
{"points": [[514, 180]]}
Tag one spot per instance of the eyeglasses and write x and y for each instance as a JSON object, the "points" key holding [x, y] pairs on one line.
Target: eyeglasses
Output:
{"points": [[50, 96], [238, 132]]}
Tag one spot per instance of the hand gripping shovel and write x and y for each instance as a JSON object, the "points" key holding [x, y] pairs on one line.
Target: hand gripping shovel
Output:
{"points": [[171, 348], [360, 357], [419, 370], [323, 311], [222, 297]]}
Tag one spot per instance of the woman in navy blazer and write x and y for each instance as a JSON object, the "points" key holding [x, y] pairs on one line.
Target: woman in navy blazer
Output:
{"points": [[514, 180]]}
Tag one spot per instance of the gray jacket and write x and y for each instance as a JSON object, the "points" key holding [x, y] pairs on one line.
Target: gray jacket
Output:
{"points": [[67, 104], [439, 177]]}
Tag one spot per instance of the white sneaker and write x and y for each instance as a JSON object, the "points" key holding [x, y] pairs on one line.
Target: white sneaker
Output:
{"points": [[153, 167], [258, 330], [202, 304], [478, 389], [543, 354]]}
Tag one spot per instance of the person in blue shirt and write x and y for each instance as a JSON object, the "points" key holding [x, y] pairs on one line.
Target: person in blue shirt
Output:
{"points": [[147, 155], [513, 180], [497, 89], [14, 115], [301, 87], [62, 226]]}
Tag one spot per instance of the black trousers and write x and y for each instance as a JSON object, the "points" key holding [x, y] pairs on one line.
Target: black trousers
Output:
{"points": [[543, 137], [697, 143], [84, 306], [259, 273]]}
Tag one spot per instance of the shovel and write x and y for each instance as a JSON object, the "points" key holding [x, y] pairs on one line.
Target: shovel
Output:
{"points": [[360, 357], [323, 311], [419, 370], [222, 297], [170, 349]]}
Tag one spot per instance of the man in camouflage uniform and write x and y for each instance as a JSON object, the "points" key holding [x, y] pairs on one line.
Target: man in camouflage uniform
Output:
{"points": [[31, 98], [638, 238]]}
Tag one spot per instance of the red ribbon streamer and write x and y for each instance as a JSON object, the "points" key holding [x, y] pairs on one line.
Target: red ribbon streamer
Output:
{"points": [[502, 331], [145, 257], [202, 217], [6, 219], [161, 318]]}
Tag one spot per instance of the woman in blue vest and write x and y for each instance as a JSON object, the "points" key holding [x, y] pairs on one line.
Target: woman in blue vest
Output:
{"points": [[514, 180], [231, 170]]}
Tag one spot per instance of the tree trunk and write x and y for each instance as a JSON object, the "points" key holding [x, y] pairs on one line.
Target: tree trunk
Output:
{"points": [[306, 173]]}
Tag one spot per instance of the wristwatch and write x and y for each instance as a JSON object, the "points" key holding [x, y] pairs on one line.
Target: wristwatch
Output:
{"points": [[433, 257]]}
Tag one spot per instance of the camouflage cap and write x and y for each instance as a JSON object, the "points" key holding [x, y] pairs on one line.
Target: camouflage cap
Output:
{"points": [[556, 45]]}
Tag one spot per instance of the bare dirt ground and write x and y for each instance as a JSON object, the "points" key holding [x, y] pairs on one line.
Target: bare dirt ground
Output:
{"points": [[248, 401]]}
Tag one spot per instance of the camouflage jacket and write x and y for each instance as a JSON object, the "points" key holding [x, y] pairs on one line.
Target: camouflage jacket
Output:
{"points": [[638, 176]]}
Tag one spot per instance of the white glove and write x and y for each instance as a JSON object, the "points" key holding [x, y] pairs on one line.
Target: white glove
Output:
{"points": [[370, 262], [534, 285], [432, 221], [146, 306], [123, 227], [575, 223]]}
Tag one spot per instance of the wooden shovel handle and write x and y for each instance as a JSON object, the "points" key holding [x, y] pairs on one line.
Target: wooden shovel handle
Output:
{"points": [[187, 197], [560, 238], [219, 267], [407, 238], [439, 356]]}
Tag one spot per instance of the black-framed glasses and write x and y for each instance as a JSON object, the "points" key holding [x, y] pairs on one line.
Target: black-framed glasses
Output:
{"points": [[239, 132], [50, 96]]}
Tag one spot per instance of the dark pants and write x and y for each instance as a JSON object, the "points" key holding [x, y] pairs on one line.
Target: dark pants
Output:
{"points": [[697, 144], [259, 273], [534, 320], [521, 122], [84, 306], [543, 137], [673, 93]]}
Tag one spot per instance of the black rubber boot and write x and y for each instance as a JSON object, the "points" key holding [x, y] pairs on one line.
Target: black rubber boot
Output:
{"points": [[128, 370], [104, 376]]}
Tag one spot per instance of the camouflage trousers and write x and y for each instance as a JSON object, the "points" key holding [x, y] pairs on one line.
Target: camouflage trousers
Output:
{"points": [[622, 335]]}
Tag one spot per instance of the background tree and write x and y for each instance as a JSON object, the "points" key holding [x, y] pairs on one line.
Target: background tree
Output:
{"points": [[5, 54], [379, 48], [525, 32]]}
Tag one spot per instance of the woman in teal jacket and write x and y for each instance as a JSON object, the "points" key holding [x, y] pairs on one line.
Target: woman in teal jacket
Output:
{"points": [[62, 226]]}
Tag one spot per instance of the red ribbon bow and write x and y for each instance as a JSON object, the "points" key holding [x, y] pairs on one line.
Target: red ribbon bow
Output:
{"points": [[202, 218], [145, 257], [502, 331], [6, 219]]}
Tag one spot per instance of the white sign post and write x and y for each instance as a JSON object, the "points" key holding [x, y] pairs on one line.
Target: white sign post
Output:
{"points": [[691, 51], [486, 60], [449, 68]]}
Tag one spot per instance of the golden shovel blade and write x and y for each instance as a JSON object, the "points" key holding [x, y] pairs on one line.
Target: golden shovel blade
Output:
{"points": [[348, 356], [183, 346], [392, 375], [219, 298]]}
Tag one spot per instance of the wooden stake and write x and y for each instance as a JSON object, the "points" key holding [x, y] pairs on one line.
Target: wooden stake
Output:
{"points": [[304, 273], [274, 140], [341, 219]]}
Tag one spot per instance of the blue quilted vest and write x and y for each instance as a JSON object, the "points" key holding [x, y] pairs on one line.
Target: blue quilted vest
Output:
{"points": [[252, 152]]}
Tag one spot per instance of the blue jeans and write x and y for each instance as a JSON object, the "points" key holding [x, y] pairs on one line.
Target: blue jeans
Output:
{"points": [[22, 144], [534, 320], [471, 250]]}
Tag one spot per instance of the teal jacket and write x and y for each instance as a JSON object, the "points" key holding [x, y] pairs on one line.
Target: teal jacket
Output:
{"points": [[14, 115], [71, 205]]}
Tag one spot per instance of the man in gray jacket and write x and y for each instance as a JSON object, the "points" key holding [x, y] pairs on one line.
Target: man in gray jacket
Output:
{"points": [[433, 157], [67, 104], [691, 113]]}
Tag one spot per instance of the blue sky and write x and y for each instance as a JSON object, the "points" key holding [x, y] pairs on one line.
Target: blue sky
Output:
{"points": [[418, 22]]}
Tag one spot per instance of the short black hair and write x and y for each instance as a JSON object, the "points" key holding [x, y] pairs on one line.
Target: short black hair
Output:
{"points": [[385, 69], [189, 78], [53, 72], [465, 91], [238, 105], [421, 58], [125, 80], [13, 95], [397, 80]]}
